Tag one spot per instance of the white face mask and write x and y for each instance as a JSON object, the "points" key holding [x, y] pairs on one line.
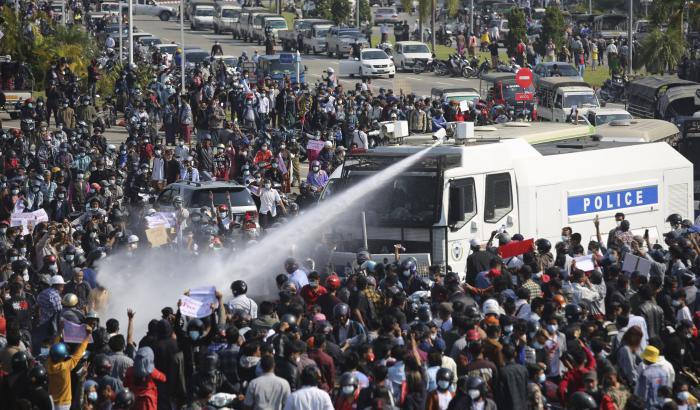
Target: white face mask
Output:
{"points": [[268, 186], [443, 384], [552, 328], [541, 378], [474, 394], [683, 396], [348, 390]]}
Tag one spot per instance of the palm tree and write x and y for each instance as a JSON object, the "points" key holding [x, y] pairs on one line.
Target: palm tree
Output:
{"points": [[426, 7], [661, 51]]}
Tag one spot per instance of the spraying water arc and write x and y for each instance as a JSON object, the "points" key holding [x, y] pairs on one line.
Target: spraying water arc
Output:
{"points": [[140, 283]]}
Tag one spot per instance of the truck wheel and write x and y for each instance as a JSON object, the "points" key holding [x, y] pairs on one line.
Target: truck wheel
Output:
{"points": [[337, 52], [164, 16], [391, 75]]}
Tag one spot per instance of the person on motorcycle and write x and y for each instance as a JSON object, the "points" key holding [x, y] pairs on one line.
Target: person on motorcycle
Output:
{"points": [[325, 157], [188, 172], [317, 178]]}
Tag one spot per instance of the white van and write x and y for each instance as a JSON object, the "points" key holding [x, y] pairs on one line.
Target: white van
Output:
{"points": [[457, 193], [557, 96], [226, 16], [203, 17]]}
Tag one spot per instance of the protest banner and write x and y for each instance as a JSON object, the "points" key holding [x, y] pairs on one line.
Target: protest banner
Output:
{"points": [[515, 248], [74, 333]]}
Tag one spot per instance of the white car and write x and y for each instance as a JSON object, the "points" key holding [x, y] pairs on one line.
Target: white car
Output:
{"points": [[372, 62], [407, 53], [604, 115], [203, 17], [150, 8]]}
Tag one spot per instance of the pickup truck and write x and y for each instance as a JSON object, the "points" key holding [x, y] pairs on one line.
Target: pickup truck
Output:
{"points": [[262, 22], [238, 29], [17, 83], [372, 62], [339, 40], [226, 16], [288, 38]]}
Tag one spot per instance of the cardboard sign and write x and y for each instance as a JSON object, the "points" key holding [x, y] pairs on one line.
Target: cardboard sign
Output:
{"points": [[157, 236], [585, 263], [74, 333], [631, 263], [464, 106], [515, 248]]}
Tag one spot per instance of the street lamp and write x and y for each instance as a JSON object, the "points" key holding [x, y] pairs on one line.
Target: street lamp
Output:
{"points": [[131, 32], [630, 41], [182, 47], [298, 67], [121, 36]]}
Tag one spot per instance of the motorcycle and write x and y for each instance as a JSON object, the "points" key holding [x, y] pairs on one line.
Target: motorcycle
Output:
{"points": [[614, 89], [387, 48]]}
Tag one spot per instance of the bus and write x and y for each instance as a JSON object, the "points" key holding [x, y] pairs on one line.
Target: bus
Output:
{"points": [[278, 66], [610, 26]]}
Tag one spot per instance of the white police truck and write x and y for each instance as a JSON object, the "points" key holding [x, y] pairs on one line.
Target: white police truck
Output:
{"points": [[466, 190]]}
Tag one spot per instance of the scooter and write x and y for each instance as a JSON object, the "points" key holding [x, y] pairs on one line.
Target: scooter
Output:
{"points": [[614, 89]]}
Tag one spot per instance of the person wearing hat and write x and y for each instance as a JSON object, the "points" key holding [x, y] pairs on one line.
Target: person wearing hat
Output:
{"points": [[49, 300], [651, 378], [478, 261]]}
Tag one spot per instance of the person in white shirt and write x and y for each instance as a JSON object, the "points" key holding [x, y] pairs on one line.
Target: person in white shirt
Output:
{"points": [[309, 397], [297, 276], [263, 110], [158, 172], [240, 301], [269, 200], [679, 303], [188, 172], [109, 42]]}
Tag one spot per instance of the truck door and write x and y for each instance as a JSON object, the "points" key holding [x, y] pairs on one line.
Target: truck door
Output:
{"points": [[463, 222], [500, 205], [558, 112]]}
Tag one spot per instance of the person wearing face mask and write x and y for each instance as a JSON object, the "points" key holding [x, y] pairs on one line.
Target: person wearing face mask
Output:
{"points": [[317, 178], [535, 397], [222, 163], [35, 199], [269, 201], [188, 172], [59, 208], [90, 394], [471, 394], [79, 288], [66, 117], [313, 290], [158, 170], [348, 392]]}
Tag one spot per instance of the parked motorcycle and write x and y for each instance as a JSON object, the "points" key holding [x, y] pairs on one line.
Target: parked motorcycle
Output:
{"points": [[614, 89]]}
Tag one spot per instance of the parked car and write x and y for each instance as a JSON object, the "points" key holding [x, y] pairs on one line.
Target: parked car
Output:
{"points": [[150, 41], [150, 8], [196, 55], [372, 62], [605, 115], [386, 15], [262, 23], [407, 53]]}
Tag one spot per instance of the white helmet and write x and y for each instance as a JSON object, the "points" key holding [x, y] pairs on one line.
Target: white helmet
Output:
{"points": [[329, 144], [133, 239], [330, 70], [111, 147], [491, 307]]}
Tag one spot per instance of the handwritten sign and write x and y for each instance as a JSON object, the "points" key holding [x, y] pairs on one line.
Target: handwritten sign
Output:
{"points": [[74, 333], [166, 219], [192, 307], [313, 147], [585, 263], [632, 263], [28, 220]]}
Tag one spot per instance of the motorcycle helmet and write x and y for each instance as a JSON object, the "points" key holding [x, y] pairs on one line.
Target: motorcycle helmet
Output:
{"points": [[58, 352], [582, 401], [239, 287], [125, 400], [348, 383], [674, 220], [572, 312], [20, 362], [341, 309], [38, 376], [444, 377], [543, 246], [333, 282]]}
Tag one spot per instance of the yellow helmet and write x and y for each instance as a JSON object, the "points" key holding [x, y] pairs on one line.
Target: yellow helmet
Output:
{"points": [[69, 300]]}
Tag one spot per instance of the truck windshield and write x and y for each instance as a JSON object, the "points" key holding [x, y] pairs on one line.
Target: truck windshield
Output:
{"points": [[606, 118], [239, 196], [407, 201], [278, 24], [275, 67], [509, 91], [228, 13], [349, 33], [321, 32], [580, 100], [416, 48], [374, 55], [204, 12]]}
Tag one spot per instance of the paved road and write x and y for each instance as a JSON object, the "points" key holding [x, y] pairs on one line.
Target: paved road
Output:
{"points": [[169, 31]]}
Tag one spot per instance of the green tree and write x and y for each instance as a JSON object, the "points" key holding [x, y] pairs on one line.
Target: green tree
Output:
{"points": [[339, 11], [518, 29], [660, 51], [365, 11], [553, 27]]}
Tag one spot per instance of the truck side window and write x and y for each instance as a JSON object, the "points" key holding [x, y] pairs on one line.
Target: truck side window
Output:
{"points": [[166, 198], [557, 101], [499, 197], [462, 202]]}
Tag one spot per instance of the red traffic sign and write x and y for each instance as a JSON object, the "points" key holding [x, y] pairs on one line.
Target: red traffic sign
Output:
{"points": [[524, 77], [523, 96]]}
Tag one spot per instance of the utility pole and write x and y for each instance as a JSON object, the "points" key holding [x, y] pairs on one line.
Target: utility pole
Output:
{"points": [[630, 41], [63, 12], [121, 36], [357, 14], [432, 26], [131, 32], [590, 6], [182, 46], [471, 17]]}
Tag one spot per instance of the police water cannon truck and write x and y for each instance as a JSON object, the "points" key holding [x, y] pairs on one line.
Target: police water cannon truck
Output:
{"points": [[464, 190]]}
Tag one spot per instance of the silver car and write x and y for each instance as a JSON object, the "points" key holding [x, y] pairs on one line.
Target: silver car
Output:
{"points": [[151, 8], [339, 40]]}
